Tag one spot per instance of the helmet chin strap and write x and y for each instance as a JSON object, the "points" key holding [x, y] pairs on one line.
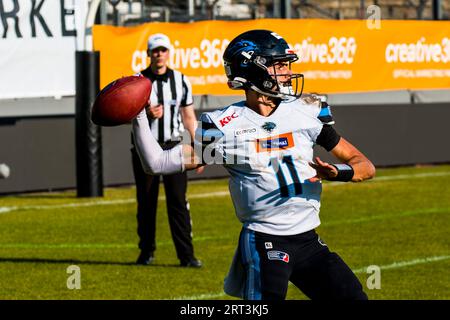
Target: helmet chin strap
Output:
{"points": [[285, 94], [273, 95]]}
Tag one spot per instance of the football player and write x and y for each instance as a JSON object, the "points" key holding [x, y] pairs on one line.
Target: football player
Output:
{"points": [[266, 144]]}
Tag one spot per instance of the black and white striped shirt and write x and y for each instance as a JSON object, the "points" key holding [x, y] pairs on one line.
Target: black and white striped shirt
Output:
{"points": [[172, 90]]}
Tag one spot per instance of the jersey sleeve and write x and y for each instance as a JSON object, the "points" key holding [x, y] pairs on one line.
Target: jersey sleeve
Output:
{"points": [[208, 141], [186, 99], [328, 138]]}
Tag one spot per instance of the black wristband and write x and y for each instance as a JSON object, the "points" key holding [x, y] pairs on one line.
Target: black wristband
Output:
{"points": [[345, 172]]}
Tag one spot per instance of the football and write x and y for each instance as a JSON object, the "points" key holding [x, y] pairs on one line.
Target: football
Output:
{"points": [[121, 101]]}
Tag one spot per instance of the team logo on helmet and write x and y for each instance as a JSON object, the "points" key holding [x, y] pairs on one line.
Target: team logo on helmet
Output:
{"points": [[248, 59], [245, 46], [267, 84]]}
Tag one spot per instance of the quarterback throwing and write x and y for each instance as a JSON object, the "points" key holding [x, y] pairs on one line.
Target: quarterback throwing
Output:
{"points": [[266, 144]]}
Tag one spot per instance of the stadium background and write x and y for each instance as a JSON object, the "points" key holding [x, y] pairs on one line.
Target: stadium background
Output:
{"points": [[404, 210], [395, 127]]}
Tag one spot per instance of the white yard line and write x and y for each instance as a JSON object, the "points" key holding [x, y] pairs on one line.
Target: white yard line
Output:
{"points": [[206, 195], [92, 245], [375, 217], [102, 202], [402, 264], [397, 177], [395, 265], [206, 238], [409, 176], [199, 196]]}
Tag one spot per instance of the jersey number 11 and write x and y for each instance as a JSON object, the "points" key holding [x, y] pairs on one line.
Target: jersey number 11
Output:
{"points": [[277, 167]]}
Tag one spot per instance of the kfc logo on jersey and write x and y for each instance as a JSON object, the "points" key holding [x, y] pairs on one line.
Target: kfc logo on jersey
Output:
{"points": [[278, 255], [227, 119]]}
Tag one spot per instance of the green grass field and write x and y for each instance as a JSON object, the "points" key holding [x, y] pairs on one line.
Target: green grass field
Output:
{"points": [[398, 221]]}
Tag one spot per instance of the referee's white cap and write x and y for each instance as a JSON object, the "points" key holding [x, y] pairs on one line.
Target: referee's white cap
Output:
{"points": [[158, 40]]}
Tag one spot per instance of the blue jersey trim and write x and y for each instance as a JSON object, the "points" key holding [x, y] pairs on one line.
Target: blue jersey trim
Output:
{"points": [[251, 261]]}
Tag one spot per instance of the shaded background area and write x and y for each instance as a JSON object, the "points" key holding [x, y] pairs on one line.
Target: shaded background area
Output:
{"points": [[396, 128], [37, 136]]}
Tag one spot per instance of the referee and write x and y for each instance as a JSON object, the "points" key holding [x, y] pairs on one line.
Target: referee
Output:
{"points": [[170, 112]]}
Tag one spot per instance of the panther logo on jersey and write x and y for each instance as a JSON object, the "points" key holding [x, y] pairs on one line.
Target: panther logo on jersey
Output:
{"points": [[269, 126]]}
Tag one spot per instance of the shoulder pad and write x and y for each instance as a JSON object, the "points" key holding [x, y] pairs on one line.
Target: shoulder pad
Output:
{"points": [[207, 131], [311, 99], [205, 118], [325, 115]]}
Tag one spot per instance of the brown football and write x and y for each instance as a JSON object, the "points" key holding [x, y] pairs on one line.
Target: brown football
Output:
{"points": [[121, 101]]}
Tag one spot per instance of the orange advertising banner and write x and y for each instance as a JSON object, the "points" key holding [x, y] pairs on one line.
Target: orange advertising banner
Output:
{"points": [[335, 56]]}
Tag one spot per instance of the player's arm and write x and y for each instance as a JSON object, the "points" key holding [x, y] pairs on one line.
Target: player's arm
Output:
{"points": [[155, 160], [356, 166]]}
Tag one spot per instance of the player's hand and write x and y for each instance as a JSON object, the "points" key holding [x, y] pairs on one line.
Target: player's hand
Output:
{"points": [[155, 112], [324, 169]]}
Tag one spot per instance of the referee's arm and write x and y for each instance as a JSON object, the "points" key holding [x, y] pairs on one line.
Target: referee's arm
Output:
{"points": [[190, 123], [189, 119], [187, 108]]}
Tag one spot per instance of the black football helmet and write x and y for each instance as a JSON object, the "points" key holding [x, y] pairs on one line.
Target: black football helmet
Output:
{"points": [[249, 64]]}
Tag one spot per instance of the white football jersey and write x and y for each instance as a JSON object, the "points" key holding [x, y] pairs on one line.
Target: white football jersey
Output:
{"points": [[267, 158]]}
